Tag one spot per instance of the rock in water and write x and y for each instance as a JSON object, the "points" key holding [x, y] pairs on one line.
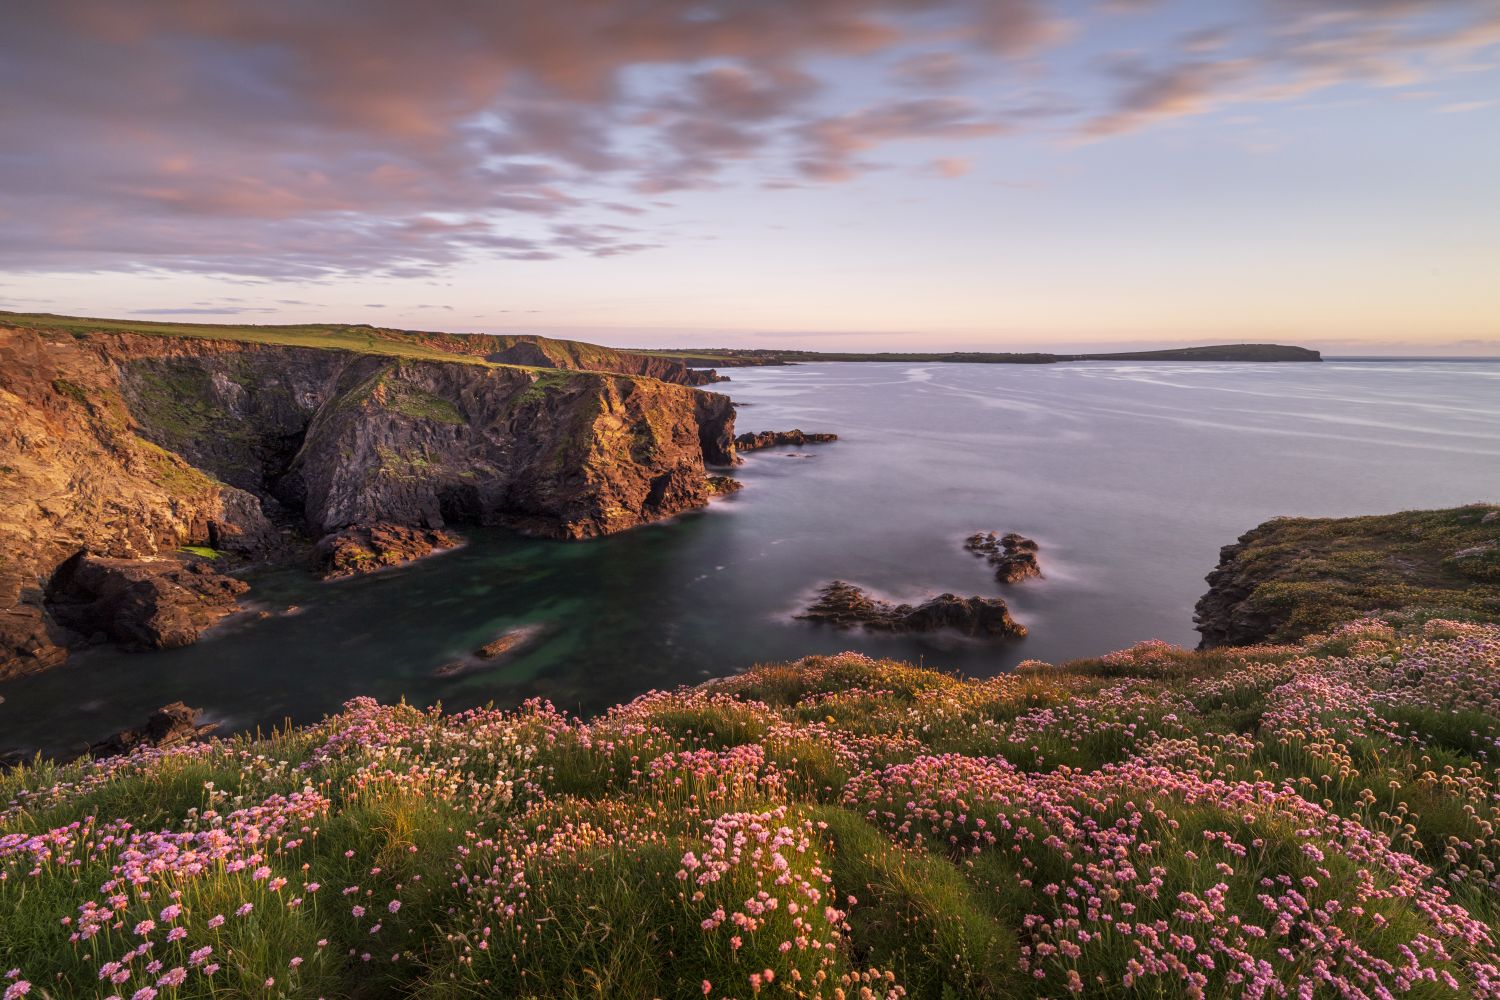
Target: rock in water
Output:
{"points": [[845, 605], [364, 548], [722, 486], [168, 726], [140, 603], [771, 439], [502, 645], [1012, 555]]}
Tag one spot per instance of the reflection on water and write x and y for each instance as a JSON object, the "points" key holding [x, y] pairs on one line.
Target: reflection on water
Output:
{"points": [[1130, 477]]}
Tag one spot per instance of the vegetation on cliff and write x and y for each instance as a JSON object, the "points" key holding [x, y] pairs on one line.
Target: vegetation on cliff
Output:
{"points": [[479, 349], [1293, 576], [1278, 821]]}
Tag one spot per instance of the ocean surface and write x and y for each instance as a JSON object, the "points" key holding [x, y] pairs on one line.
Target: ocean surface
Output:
{"points": [[1129, 476]]}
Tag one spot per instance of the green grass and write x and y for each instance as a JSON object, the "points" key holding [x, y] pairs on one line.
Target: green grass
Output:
{"points": [[360, 339]]}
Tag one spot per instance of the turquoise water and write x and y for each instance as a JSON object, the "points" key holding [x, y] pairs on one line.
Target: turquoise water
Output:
{"points": [[1130, 477]]}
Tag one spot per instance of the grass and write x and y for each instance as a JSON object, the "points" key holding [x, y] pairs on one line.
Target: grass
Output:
{"points": [[360, 339], [1153, 822]]}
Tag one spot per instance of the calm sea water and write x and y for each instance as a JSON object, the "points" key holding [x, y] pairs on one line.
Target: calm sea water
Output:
{"points": [[1130, 476]]}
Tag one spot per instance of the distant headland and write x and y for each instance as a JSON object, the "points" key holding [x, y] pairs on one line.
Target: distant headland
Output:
{"points": [[737, 358]]}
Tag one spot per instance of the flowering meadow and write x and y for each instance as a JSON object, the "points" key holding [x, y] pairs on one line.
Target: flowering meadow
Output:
{"points": [[1302, 821]]}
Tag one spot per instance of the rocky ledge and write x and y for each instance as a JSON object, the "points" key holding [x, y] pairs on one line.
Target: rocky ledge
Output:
{"points": [[772, 439], [168, 726], [844, 605], [1013, 556], [140, 604], [364, 548]]}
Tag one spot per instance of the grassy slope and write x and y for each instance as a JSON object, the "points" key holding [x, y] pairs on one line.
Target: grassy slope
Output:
{"points": [[361, 339], [1311, 573], [1155, 822]]}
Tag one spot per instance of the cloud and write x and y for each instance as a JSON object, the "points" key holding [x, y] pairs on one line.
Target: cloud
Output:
{"points": [[951, 167], [931, 70], [831, 144], [283, 139], [1294, 48]]}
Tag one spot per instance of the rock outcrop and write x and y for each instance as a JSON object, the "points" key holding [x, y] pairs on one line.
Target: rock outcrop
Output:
{"points": [[168, 726], [1013, 556], [845, 605], [772, 439], [365, 548], [1292, 577], [76, 476], [139, 604], [130, 446]]}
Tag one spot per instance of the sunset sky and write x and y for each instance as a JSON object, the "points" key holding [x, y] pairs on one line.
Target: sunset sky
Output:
{"points": [[907, 174]]}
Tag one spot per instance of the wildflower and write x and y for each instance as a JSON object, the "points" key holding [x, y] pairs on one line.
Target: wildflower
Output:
{"points": [[145, 927], [17, 989], [394, 905], [244, 910], [216, 921]]}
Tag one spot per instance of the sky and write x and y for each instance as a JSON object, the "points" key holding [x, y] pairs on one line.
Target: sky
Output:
{"points": [[813, 174]]}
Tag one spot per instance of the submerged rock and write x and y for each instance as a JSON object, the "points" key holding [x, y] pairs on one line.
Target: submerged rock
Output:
{"points": [[1012, 555], [365, 548], [140, 604], [168, 726], [772, 439], [845, 605], [507, 642]]}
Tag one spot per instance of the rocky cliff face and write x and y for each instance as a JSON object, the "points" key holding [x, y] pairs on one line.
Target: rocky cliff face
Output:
{"points": [[130, 446]]}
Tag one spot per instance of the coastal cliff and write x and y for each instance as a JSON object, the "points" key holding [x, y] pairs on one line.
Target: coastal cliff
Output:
{"points": [[132, 446], [1291, 577]]}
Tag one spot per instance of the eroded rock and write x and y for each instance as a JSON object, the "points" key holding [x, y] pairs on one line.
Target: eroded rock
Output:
{"points": [[1012, 555], [168, 726], [772, 439], [140, 604], [844, 605], [365, 548]]}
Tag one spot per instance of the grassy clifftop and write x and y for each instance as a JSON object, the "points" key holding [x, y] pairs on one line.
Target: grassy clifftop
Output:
{"points": [[523, 351], [1314, 819], [1293, 576]]}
